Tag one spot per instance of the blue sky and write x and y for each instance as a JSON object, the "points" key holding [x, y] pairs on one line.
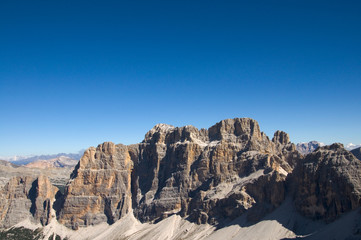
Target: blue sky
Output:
{"points": [[74, 74]]}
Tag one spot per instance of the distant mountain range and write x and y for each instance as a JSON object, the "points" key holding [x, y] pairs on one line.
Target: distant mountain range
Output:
{"points": [[58, 162], [23, 160], [306, 148]]}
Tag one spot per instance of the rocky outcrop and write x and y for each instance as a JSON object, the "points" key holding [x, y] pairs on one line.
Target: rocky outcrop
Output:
{"points": [[281, 137], [26, 197], [197, 172], [43, 200], [183, 170], [15, 203], [99, 188], [327, 183]]}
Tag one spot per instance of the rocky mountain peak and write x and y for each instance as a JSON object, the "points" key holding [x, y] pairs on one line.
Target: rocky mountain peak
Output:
{"points": [[176, 170], [281, 137], [334, 146], [238, 127], [327, 183], [158, 132]]}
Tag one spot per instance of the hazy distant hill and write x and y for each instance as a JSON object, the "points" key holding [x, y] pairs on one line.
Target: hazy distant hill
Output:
{"points": [[59, 162], [4, 163], [23, 160], [57, 176], [306, 148]]}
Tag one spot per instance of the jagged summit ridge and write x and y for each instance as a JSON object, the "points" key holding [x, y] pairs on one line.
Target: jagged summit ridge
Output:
{"points": [[237, 130], [327, 182], [177, 170]]}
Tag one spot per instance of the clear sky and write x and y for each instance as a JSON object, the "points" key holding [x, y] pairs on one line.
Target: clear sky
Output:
{"points": [[74, 74]]}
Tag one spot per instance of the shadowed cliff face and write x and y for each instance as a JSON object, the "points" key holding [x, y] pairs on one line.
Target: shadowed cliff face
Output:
{"points": [[327, 183], [26, 197], [357, 152], [191, 172]]}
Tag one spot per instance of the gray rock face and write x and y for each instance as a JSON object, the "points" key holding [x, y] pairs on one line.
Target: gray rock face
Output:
{"points": [[14, 202], [281, 137], [327, 183], [190, 168], [43, 199], [184, 170], [357, 152], [26, 197], [99, 189], [306, 148]]}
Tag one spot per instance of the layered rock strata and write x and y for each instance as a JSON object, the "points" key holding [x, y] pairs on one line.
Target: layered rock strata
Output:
{"points": [[26, 197], [327, 183], [99, 189], [184, 170]]}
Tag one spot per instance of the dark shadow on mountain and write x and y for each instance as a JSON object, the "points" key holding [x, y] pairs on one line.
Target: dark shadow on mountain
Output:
{"points": [[32, 196], [58, 203]]}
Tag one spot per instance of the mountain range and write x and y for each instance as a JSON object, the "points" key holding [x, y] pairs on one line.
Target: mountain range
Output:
{"points": [[23, 160], [229, 181]]}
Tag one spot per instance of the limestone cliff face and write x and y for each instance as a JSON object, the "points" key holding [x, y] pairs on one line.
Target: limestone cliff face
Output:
{"points": [[99, 189], [14, 201], [183, 170], [44, 199], [327, 183], [197, 172], [26, 197], [205, 175]]}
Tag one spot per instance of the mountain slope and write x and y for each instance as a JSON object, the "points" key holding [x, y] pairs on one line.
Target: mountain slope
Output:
{"points": [[357, 152]]}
